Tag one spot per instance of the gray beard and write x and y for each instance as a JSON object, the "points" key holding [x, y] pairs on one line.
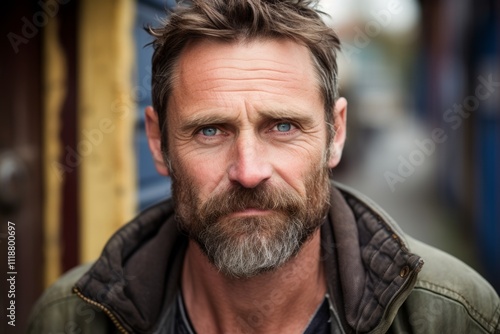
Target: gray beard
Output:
{"points": [[255, 252], [244, 247]]}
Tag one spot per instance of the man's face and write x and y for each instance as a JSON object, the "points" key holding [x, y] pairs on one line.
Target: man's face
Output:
{"points": [[248, 152]]}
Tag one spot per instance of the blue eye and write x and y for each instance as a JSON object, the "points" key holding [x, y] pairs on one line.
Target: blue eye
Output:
{"points": [[284, 127], [209, 132]]}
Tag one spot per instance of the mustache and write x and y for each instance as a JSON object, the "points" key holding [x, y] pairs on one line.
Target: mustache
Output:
{"points": [[262, 197]]}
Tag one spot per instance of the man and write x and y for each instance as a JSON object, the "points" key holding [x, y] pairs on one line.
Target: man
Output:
{"points": [[247, 122]]}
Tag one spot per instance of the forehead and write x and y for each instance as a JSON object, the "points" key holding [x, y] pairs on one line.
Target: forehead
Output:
{"points": [[206, 65], [259, 49]]}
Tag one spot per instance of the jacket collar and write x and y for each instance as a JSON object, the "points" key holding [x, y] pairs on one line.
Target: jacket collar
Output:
{"points": [[369, 269]]}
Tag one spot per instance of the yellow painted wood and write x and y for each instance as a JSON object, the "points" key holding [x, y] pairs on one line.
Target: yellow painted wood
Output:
{"points": [[54, 92], [106, 116]]}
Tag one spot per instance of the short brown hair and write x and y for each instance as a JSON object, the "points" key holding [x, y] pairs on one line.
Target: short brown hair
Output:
{"points": [[243, 20]]}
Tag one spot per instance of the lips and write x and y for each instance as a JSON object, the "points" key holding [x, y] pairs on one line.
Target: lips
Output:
{"points": [[251, 212]]}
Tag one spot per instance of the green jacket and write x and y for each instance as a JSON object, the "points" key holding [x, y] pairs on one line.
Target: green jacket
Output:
{"points": [[376, 280]]}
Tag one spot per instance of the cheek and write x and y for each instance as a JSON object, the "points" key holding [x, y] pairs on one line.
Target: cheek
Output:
{"points": [[206, 172], [295, 168]]}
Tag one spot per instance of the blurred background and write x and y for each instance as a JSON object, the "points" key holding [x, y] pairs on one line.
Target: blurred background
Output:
{"points": [[422, 78]]}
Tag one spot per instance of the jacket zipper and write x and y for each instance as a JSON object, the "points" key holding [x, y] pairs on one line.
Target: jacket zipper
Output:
{"points": [[102, 308], [409, 283]]}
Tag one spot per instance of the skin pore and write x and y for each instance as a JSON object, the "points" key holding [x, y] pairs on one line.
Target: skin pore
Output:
{"points": [[248, 114]]}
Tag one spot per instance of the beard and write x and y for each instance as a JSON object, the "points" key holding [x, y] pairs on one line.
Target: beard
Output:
{"points": [[246, 246]]}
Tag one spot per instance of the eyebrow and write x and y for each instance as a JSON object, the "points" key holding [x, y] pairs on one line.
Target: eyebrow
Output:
{"points": [[199, 121], [304, 119]]}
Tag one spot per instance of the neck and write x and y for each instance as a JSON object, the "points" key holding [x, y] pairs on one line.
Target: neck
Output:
{"points": [[282, 300]]}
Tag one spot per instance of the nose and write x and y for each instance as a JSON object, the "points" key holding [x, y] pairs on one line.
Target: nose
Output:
{"points": [[250, 166]]}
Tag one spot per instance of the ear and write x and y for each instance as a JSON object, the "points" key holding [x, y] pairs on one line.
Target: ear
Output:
{"points": [[337, 144], [154, 140]]}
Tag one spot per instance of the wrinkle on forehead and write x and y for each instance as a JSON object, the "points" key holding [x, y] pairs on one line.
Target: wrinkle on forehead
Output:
{"points": [[208, 64]]}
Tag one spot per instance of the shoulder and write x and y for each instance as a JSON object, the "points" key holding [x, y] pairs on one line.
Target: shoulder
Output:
{"points": [[59, 310], [448, 296], [450, 293]]}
